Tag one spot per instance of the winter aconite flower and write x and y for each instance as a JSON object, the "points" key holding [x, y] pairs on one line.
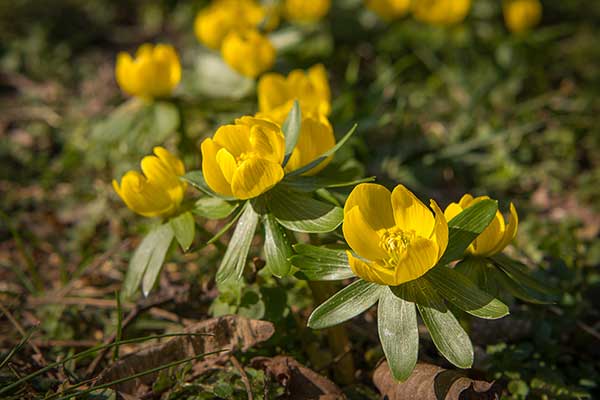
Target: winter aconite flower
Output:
{"points": [[496, 236], [154, 72], [156, 192], [249, 52], [441, 12], [244, 160], [276, 93], [521, 15], [306, 11], [316, 137], [388, 9], [221, 17], [396, 237]]}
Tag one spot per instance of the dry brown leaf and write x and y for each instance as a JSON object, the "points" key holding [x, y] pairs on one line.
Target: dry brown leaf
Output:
{"points": [[430, 382], [230, 332], [300, 382]]}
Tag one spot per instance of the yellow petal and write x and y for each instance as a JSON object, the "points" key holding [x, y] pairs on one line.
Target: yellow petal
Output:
{"points": [[374, 202], [212, 171], [466, 201], [410, 213], [440, 229], [491, 236], [272, 91], [361, 237], [254, 177], [171, 72], [452, 211], [268, 143], [174, 163], [235, 138], [421, 255], [511, 230], [316, 137], [370, 271], [144, 197], [123, 69], [144, 50], [227, 164]]}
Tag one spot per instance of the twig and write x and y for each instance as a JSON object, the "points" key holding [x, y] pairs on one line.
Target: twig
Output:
{"points": [[581, 325], [245, 379]]}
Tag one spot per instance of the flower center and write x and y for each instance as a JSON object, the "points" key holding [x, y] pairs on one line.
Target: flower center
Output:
{"points": [[395, 241], [247, 155]]}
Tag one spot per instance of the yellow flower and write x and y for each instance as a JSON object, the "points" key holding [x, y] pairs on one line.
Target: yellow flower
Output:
{"points": [[441, 12], [496, 236], [306, 11], [218, 19], [155, 71], [521, 15], [388, 9], [276, 93], [244, 160], [397, 238], [156, 192], [249, 53], [316, 137]]}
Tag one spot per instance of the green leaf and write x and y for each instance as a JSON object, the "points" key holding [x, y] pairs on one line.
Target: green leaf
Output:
{"points": [[196, 179], [291, 131], [325, 155], [234, 260], [475, 269], [448, 336], [520, 273], [312, 183], [213, 208], [464, 294], [301, 213], [228, 225], [352, 300], [321, 264], [184, 228], [516, 289], [149, 253], [277, 248], [398, 333], [466, 226], [165, 121]]}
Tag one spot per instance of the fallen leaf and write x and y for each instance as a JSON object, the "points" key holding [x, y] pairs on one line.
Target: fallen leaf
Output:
{"points": [[430, 382], [228, 333], [300, 382]]}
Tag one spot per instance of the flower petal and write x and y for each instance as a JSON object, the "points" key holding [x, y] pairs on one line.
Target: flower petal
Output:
{"points": [[267, 143], [440, 229], [272, 91], [452, 211], [491, 236], [370, 271], [410, 213], [212, 172], [374, 202], [174, 163], [123, 68], [254, 177], [511, 230], [227, 164], [316, 137], [235, 138], [421, 255], [361, 237]]}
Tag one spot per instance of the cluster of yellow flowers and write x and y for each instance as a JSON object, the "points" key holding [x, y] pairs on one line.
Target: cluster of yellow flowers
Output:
{"points": [[236, 28], [398, 239], [243, 160], [519, 15]]}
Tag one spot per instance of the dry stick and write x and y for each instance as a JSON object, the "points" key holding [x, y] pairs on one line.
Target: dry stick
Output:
{"points": [[581, 325], [245, 379], [133, 314], [23, 333]]}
